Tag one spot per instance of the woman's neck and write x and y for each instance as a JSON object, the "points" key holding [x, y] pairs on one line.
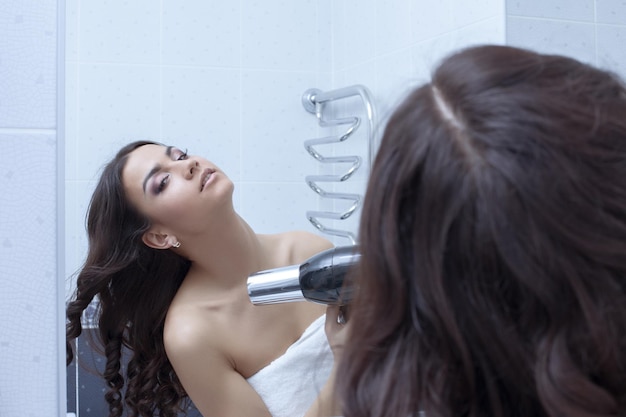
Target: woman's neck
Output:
{"points": [[230, 249]]}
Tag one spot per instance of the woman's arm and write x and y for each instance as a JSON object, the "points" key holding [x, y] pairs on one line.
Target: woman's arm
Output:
{"points": [[200, 355], [327, 404], [217, 389], [208, 374]]}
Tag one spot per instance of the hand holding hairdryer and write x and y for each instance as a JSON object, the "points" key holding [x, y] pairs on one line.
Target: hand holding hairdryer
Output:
{"points": [[319, 279]]}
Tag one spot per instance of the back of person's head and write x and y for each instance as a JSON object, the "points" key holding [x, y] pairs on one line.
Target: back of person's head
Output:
{"points": [[493, 238], [134, 285]]}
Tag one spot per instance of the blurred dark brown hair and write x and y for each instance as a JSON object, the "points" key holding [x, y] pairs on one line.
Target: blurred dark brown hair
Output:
{"points": [[134, 286], [493, 236]]}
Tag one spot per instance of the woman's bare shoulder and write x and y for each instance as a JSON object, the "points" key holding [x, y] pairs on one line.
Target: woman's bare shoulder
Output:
{"points": [[302, 245], [189, 331], [200, 348]]}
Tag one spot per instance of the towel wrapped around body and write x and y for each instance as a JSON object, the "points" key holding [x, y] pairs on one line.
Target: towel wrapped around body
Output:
{"points": [[291, 383]]}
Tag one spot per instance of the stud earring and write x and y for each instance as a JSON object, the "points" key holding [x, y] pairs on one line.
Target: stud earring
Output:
{"points": [[176, 245]]}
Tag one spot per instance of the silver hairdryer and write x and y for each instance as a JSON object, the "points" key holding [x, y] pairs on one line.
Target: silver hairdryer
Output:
{"points": [[319, 279]]}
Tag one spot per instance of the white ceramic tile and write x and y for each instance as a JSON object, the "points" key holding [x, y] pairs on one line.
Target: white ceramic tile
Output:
{"points": [[119, 31], [275, 125], [325, 79], [28, 300], [277, 207], [393, 77], [610, 44], [488, 31], [363, 74], [28, 64], [278, 34], [338, 35], [71, 119], [201, 112], [393, 25], [428, 54], [72, 19], [72, 230], [467, 13], [579, 10], [611, 11], [118, 104], [430, 19], [77, 197], [202, 32], [355, 33], [326, 12], [552, 36]]}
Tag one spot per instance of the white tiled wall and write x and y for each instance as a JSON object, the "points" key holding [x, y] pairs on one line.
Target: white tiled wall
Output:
{"points": [[593, 31], [28, 76], [392, 45], [30, 137], [225, 80]]}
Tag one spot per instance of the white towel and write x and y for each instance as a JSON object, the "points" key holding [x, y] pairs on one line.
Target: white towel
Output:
{"points": [[290, 384]]}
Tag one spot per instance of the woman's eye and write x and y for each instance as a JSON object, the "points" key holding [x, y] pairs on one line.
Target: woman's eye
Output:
{"points": [[162, 184], [182, 156]]}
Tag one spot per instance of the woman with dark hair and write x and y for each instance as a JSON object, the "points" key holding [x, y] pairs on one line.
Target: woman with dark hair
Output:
{"points": [[492, 280], [168, 262]]}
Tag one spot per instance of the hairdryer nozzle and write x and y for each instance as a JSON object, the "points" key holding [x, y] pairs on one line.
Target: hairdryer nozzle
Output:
{"points": [[280, 285]]}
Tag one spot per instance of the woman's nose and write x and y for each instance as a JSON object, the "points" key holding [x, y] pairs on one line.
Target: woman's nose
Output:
{"points": [[191, 166]]}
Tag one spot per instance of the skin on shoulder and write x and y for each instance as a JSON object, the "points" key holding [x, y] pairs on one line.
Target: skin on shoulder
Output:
{"points": [[208, 336], [301, 245], [208, 374]]}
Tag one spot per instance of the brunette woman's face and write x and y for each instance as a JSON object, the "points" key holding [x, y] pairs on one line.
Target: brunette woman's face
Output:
{"points": [[174, 190]]}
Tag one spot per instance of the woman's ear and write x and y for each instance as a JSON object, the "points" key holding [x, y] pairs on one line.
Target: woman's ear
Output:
{"points": [[158, 240]]}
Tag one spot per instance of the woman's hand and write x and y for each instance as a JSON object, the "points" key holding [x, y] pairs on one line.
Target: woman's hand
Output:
{"points": [[337, 328]]}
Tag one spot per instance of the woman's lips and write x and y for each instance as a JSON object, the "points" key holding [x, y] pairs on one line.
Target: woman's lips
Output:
{"points": [[206, 177]]}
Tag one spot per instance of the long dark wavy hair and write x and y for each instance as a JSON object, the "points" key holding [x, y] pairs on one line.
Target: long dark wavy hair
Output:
{"points": [[134, 285], [493, 238]]}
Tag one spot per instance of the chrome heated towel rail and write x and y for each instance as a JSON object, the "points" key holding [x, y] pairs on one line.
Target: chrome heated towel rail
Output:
{"points": [[316, 101]]}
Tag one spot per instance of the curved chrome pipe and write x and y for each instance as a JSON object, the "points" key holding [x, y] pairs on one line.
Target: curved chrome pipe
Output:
{"points": [[314, 101]]}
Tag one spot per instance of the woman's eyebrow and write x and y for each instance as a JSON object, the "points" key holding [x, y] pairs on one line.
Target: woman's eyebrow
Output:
{"points": [[157, 168]]}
